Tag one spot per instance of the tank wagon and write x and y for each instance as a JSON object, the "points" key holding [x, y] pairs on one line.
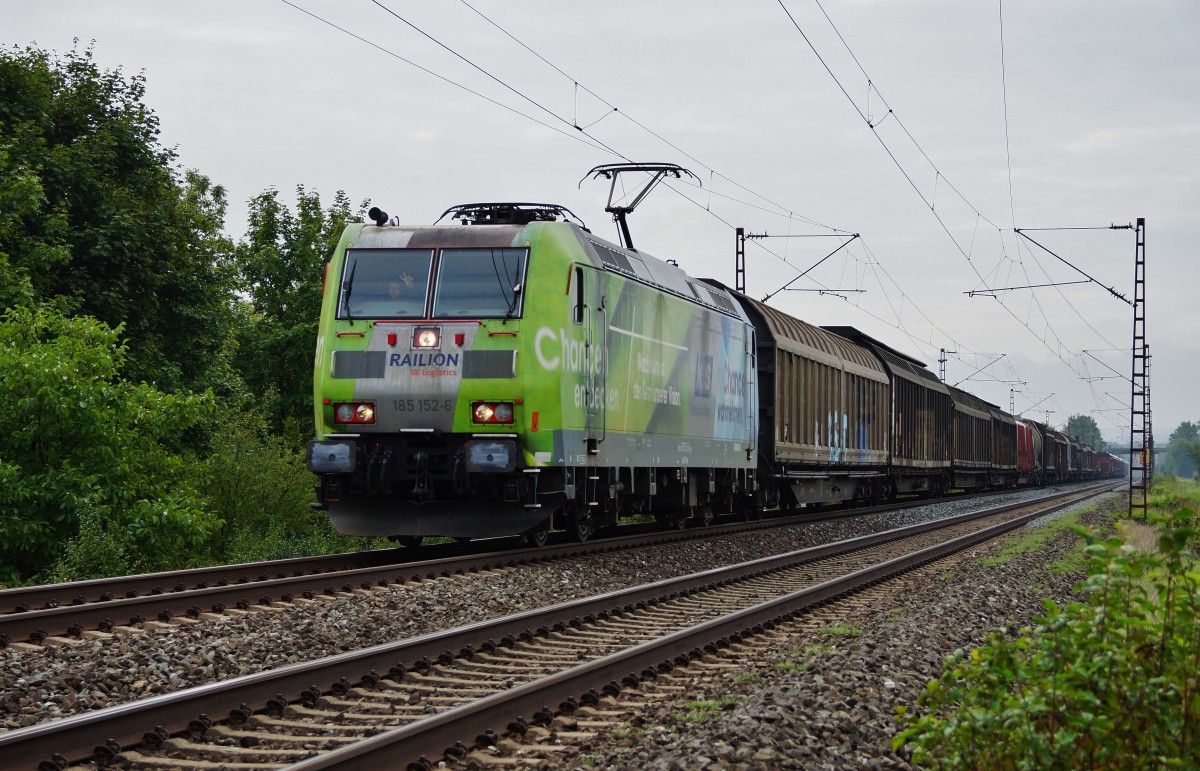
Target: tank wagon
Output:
{"points": [[513, 373]]}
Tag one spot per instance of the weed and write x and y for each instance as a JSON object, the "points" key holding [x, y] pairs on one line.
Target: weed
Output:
{"points": [[705, 709], [1109, 683], [842, 630]]}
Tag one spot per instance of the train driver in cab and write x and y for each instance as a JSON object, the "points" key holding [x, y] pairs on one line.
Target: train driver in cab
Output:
{"points": [[402, 295]]}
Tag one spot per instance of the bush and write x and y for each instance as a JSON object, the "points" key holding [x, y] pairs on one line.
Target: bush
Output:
{"points": [[79, 445], [257, 484], [1110, 683]]}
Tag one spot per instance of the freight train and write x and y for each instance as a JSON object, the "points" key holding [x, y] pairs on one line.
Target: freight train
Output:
{"points": [[514, 373]]}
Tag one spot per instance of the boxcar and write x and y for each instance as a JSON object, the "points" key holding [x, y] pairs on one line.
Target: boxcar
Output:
{"points": [[824, 406], [971, 440], [1029, 453], [1004, 448], [919, 448], [1055, 453]]}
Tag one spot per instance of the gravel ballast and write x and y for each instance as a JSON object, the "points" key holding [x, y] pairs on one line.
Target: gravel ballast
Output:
{"points": [[827, 700], [37, 685]]}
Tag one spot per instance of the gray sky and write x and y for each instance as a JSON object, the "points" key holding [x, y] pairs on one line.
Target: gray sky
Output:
{"points": [[1102, 128]]}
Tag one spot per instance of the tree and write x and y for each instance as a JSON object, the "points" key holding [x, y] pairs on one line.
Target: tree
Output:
{"points": [[1084, 428], [1187, 431], [91, 471], [94, 213], [281, 263], [1182, 458], [1193, 453]]}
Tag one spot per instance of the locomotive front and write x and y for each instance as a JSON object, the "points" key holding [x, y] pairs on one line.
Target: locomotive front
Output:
{"points": [[417, 387]]}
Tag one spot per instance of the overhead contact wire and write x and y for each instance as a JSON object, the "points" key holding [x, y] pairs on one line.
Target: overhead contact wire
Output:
{"points": [[905, 173], [443, 78], [781, 210]]}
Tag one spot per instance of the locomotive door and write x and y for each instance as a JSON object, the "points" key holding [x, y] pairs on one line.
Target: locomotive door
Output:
{"points": [[591, 313], [750, 393]]}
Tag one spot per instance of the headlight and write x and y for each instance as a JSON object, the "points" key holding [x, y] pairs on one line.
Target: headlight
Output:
{"points": [[354, 412], [427, 337], [492, 412]]}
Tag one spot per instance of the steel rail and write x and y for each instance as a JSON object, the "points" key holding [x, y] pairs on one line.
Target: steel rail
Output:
{"points": [[125, 725], [444, 733], [130, 600], [24, 599]]}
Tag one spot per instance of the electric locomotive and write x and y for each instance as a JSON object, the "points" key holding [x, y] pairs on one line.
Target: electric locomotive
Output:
{"points": [[514, 372]]}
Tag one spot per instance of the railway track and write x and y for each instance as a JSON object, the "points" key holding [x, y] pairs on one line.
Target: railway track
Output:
{"points": [[445, 689], [62, 612]]}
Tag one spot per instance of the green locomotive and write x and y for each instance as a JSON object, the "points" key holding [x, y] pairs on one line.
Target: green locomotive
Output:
{"points": [[514, 372]]}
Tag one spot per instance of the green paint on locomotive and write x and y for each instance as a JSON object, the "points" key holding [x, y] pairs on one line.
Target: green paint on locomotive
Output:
{"points": [[676, 368], [607, 361]]}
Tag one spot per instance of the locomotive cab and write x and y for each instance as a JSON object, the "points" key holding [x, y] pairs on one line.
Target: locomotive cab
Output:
{"points": [[417, 380]]}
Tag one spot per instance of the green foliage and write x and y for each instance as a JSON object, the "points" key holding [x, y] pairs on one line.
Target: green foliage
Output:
{"points": [[81, 446], [94, 214], [118, 291], [282, 261], [841, 630], [1182, 458], [1110, 683], [1169, 494], [1084, 428], [706, 709], [1187, 430], [257, 483], [1031, 539]]}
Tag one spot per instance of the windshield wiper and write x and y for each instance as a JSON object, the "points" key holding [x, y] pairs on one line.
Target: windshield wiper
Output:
{"points": [[512, 304], [348, 287]]}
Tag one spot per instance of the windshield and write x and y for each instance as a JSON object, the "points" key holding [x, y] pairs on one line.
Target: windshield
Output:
{"points": [[385, 283], [479, 283], [394, 283]]}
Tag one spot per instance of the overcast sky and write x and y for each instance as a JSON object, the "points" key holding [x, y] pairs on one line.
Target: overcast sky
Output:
{"points": [[1102, 127]]}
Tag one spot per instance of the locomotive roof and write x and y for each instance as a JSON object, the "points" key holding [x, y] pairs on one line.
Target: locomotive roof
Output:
{"points": [[657, 273], [402, 237], [643, 267]]}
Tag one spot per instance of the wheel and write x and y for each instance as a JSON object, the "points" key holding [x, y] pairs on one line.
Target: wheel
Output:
{"points": [[581, 522], [675, 519], [706, 516], [408, 541], [752, 507], [537, 535]]}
